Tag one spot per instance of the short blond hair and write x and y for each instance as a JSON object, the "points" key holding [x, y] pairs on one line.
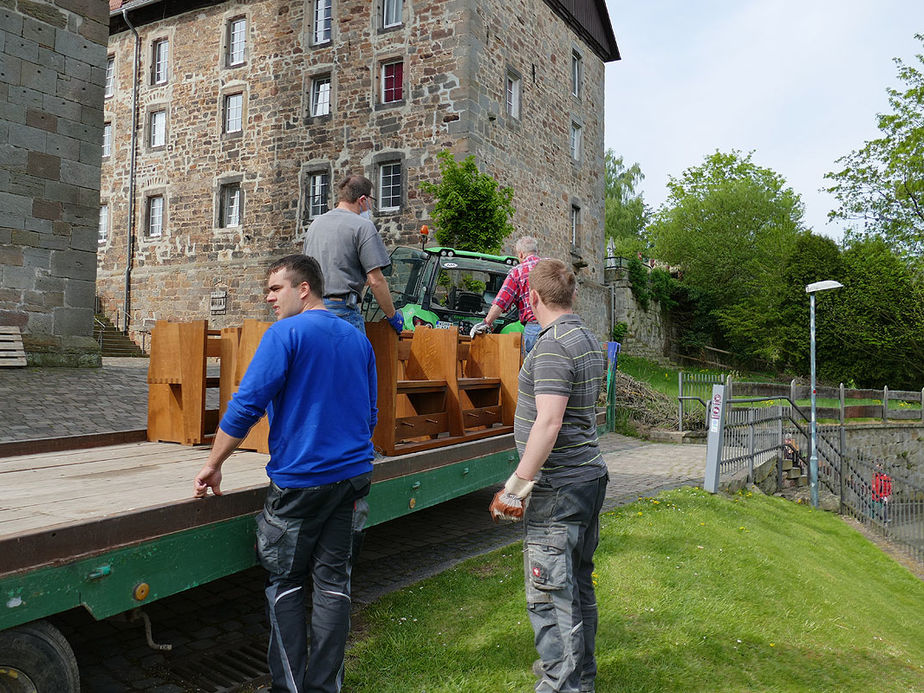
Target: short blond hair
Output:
{"points": [[554, 281]]}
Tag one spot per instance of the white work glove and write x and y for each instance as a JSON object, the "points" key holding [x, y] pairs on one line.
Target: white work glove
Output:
{"points": [[510, 502], [480, 328]]}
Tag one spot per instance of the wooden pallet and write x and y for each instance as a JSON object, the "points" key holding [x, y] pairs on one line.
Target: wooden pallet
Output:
{"points": [[12, 354]]}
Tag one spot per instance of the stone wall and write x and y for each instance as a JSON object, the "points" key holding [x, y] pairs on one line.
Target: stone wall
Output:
{"points": [[448, 48], [532, 153], [52, 72], [648, 334], [897, 445]]}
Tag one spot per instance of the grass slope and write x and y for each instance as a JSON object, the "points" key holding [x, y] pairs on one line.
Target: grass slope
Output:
{"points": [[696, 593]]}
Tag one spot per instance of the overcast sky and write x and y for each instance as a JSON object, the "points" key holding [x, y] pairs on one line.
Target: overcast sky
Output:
{"points": [[798, 81]]}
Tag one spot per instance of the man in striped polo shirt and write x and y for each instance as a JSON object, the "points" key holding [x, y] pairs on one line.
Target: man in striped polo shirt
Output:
{"points": [[563, 476]]}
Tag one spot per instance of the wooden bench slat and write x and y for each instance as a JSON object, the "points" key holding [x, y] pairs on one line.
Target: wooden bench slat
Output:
{"points": [[415, 386], [478, 383]]}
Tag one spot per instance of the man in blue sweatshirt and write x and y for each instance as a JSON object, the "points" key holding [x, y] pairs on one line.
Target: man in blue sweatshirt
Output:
{"points": [[314, 375]]}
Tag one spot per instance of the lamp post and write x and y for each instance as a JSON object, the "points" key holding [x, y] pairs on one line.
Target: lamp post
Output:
{"points": [[811, 290]]}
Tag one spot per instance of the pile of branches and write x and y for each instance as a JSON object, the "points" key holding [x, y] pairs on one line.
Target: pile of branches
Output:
{"points": [[648, 407]]}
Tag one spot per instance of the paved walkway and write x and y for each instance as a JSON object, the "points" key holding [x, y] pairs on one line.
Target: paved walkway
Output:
{"points": [[225, 618]]}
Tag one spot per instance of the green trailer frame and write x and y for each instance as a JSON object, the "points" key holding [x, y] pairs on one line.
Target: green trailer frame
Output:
{"points": [[130, 561]]}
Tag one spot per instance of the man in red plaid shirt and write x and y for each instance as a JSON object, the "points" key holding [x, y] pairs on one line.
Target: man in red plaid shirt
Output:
{"points": [[516, 290]]}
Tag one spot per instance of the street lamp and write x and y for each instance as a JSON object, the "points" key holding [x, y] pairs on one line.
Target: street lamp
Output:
{"points": [[811, 290]]}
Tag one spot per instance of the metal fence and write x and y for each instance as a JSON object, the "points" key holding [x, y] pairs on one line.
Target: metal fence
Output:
{"points": [[693, 391], [881, 495]]}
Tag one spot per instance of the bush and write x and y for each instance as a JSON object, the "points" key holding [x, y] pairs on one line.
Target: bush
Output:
{"points": [[472, 211]]}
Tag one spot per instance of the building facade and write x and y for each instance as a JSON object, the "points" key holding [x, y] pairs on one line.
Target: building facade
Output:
{"points": [[52, 70], [228, 125]]}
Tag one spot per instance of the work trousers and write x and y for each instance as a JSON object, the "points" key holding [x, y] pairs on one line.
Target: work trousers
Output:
{"points": [[302, 532], [531, 332], [349, 313], [562, 530]]}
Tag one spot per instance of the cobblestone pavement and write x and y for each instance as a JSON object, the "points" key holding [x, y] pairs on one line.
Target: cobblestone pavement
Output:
{"points": [[58, 402], [224, 620]]}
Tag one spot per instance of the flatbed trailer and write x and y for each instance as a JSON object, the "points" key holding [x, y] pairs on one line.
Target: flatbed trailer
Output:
{"points": [[114, 528]]}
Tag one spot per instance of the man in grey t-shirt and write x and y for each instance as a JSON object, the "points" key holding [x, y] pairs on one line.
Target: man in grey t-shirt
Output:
{"points": [[562, 474], [347, 246]]}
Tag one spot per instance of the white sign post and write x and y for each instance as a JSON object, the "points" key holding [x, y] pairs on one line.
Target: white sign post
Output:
{"points": [[714, 441]]}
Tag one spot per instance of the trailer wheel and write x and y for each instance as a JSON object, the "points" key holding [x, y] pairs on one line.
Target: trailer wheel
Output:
{"points": [[36, 658]]}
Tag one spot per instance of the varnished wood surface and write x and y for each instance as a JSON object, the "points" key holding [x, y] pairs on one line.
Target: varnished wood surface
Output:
{"points": [[45, 491]]}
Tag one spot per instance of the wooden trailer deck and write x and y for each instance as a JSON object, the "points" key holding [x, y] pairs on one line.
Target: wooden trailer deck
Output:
{"points": [[88, 527]]}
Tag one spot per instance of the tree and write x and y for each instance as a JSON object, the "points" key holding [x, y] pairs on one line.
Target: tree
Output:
{"points": [[880, 187], [812, 258], [730, 225], [625, 212], [877, 320], [472, 210]]}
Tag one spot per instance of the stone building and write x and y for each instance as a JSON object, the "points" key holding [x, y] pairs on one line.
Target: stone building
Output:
{"points": [[52, 70], [229, 123]]}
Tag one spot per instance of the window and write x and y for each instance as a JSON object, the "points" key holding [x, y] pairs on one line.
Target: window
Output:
{"points": [[110, 75], [577, 73], [237, 41], [155, 226], [103, 223], [229, 209], [234, 106], [391, 15], [318, 194], [392, 82], [390, 186], [513, 95], [107, 139], [575, 141], [322, 21], [320, 96], [158, 129], [575, 225], [159, 56]]}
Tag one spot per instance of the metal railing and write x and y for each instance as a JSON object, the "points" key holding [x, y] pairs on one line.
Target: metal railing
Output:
{"points": [[693, 391], [883, 496]]}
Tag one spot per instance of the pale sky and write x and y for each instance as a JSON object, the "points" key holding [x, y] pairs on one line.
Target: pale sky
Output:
{"points": [[798, 81]]}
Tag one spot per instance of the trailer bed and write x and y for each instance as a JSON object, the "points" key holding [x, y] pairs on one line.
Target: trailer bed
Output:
{"points": [[88, 527]]}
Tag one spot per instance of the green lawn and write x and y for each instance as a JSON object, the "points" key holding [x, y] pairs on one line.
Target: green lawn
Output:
{"points": [[696, 593]]}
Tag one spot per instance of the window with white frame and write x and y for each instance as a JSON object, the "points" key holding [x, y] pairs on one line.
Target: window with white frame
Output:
{"points": [[237, 42], [392, 81], [103, 223], [160, 51], [107, 139], [158, 128], [577, 73], [390, 185], [322, 21], [320, 96], [575, 225], [110, 76], [391, 13], [513, 95], [154, 228], [576, 137], [318, 194], [229, 205], [234, 110]]}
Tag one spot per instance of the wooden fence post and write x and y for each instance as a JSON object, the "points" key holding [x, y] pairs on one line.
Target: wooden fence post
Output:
{"points": [[885, 404]]}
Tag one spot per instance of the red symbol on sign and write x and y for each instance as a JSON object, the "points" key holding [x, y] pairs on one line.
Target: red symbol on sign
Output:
{"points": [[537, 572]]}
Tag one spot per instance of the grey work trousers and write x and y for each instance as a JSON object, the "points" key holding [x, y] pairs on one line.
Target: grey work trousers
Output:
{"points": [[562, 530], [306, 532]]}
